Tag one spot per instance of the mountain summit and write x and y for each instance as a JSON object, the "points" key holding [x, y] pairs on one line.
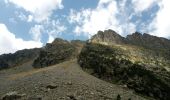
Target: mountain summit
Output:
{"points": [[110, 37]]}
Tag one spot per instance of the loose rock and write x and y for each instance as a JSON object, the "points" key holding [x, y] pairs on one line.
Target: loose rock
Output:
{"points": [[51, 86], [12, 96]]}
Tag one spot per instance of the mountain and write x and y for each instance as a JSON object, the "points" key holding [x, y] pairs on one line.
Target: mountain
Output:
{"points": [[106, 67], [139, 61], [52, 53], [110, 37], [53, 73], [144, 48]]}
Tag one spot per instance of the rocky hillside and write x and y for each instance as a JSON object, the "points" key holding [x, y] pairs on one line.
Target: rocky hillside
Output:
{"points": [[64, 81], [131, 62], [144, 48], [58, 51], [61, 78], [18, 58]]}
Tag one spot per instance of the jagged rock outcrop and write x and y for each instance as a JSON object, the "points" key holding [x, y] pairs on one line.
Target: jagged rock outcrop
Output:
{"points": [[108, 37], [148, 41], [58, 51]]}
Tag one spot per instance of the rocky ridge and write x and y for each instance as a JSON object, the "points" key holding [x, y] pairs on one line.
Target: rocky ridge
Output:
{"points": [[52, 53], [18, 58], [131, 61], [147, 49]]}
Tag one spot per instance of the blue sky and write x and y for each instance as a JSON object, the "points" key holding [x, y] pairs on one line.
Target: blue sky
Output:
{"points": [[33, 23]]}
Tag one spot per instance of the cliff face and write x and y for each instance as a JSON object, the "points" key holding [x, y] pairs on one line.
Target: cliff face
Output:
{"points": [[139, 61]]}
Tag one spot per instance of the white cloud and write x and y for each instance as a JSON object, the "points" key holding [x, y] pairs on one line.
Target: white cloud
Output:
{"points": [[40, 9], [9, 43], [30, 18], [93, 20], [50, 39], [161, 23], [142, 5], [89, 21], [54, 29], [36, 32]]}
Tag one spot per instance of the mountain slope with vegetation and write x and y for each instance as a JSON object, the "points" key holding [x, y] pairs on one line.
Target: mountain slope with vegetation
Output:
{"points": [[58, 51], [62, 80], [142, 68], [52, 53]]}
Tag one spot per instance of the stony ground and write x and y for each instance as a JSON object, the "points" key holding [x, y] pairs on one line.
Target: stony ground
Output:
{"points": [[64, 81]]}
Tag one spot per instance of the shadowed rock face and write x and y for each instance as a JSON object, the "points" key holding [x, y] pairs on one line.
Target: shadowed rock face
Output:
{"points": [[148, 41], [18, 58], [3, 64]]}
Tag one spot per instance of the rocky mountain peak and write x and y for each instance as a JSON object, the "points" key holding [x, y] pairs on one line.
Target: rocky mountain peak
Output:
{"points": [[108, 37], [135, 35], [59, 41]]}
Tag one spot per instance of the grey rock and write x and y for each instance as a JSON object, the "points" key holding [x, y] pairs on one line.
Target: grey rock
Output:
{"points": [[12, 96], [51, 86], [38, 97]]}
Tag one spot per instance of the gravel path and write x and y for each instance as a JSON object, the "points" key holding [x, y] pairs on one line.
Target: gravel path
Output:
{"points": [[64, 81]]}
